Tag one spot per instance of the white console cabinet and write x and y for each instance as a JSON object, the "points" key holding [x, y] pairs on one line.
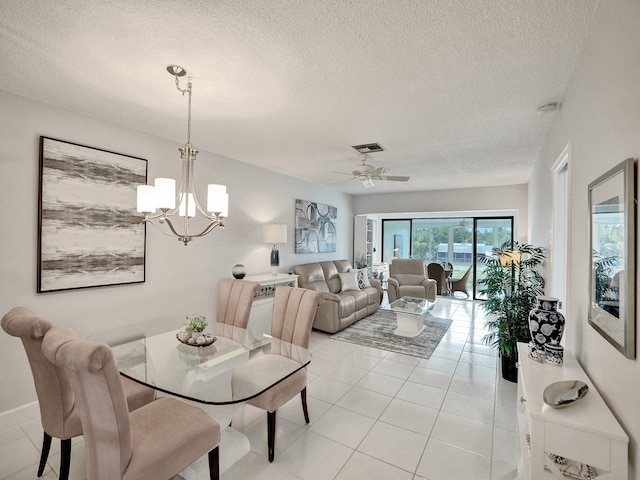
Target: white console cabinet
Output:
{"points": [[260, 317], [585, 433]]}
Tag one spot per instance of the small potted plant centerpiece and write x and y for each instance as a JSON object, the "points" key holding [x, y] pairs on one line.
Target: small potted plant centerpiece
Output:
{"points": [[193, 333], [511, 283]]}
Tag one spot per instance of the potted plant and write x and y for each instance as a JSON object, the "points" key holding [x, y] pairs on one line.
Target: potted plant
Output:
{"points": [[196, 323], [511, 282]]}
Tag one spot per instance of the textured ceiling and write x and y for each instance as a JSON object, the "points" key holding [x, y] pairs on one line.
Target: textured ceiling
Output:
{"points": [[448, 87]]}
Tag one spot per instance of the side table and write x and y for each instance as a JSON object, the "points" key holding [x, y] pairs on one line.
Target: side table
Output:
{"points": [[584, 434], [262, 309]]}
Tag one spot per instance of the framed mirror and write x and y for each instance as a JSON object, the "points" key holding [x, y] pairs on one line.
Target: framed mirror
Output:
{"points": [[612, 211]]}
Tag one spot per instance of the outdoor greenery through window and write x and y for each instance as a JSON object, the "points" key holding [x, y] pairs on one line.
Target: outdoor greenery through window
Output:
{"points": [[457, 241]]}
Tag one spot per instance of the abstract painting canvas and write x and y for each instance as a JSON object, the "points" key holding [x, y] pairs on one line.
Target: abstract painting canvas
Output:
{"points": [[89, 231], [315, 227]]}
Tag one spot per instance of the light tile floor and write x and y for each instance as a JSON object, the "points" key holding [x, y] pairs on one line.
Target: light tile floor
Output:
{"points": [[374, 415]]}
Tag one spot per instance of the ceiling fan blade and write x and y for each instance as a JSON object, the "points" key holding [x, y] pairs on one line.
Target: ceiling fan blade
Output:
{"points": [[376, 172], [344, 173], [392, 178]]}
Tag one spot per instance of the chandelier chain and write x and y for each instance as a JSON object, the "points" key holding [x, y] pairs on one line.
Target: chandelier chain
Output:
{"points": [[183, 91]]}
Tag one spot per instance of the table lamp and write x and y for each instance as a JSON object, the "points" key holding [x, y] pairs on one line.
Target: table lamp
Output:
{"points": [[274, 234]]}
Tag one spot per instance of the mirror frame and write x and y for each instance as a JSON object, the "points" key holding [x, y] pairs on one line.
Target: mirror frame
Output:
{"points": [[617, 184]]}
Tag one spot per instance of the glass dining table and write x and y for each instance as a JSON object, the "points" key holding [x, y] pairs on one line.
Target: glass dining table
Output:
{"points": [[152, 354]]}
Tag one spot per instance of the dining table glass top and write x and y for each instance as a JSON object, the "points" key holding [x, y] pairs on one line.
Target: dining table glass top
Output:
{"points": [[204, 374]]}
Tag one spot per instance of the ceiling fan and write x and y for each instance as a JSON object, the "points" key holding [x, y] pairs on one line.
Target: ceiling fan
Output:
{"points": [[367, 173]]}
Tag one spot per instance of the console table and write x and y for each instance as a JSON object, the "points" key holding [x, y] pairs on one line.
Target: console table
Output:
{"points": [[585, 433], [262, 308]]}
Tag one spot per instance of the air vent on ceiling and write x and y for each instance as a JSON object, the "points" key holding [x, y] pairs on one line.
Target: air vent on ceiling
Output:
{"points": [[368, 148]]}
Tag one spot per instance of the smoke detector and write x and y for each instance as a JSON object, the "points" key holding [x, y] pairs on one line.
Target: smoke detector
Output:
{"points": [[368, 148]]}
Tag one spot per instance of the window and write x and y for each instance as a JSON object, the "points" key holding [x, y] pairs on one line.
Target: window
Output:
{"points": [[456, 240]]}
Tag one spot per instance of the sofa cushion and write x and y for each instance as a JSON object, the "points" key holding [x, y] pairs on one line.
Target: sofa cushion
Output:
{"points": [[347, 304], [311, 275], [348, 281], [412, 291], [363, 278], [331, 276], [360, 298], [409, 278]]}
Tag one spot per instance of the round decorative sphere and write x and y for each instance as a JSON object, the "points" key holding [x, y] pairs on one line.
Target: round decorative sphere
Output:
{"points": [[238, 271]]}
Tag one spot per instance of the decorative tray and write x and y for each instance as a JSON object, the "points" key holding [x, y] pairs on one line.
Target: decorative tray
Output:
{"points": [[564, 394], [208, 340]]}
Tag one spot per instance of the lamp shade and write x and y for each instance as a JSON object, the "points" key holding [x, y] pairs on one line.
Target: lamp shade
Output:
{"points": [[274, 233], [218, 200], [188, 204], [165, 193], [509, 258], [146, 199]]}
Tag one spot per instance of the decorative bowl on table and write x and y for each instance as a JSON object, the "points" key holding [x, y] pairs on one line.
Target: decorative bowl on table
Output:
{"points": [[565, 393], [195, 339]]}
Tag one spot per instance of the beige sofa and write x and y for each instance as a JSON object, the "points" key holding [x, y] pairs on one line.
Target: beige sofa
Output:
{"points": [[341, 307]]}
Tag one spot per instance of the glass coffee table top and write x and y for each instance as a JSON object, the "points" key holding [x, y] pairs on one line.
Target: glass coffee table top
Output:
{"points": [[411, 305], [410, 315]]}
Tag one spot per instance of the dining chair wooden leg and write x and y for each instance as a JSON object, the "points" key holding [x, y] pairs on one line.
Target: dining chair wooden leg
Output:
{"points": [[46, 446], [303, 397], [271, 434], [65, 458], [214, 464]]}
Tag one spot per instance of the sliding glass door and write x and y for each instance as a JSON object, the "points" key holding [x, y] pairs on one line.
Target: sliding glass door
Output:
{"points": [[456, 240]]}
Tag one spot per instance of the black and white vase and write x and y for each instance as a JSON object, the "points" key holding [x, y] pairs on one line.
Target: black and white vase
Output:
{"points": [[546, 324]]}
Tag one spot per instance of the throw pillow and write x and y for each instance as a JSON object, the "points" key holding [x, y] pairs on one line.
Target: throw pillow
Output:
{"points": [[363, 278], [348, 281]]}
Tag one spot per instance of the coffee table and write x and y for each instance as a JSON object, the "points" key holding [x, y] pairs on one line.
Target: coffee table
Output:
{"points": [[409, 314]]}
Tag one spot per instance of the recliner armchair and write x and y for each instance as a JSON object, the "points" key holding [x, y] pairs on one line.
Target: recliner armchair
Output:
{"points": [[408, 279]]}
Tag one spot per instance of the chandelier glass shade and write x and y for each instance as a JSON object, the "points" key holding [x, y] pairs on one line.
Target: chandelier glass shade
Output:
{"points": [[184, 203]]}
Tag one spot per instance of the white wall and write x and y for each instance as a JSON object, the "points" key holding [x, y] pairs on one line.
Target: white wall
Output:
{"points": [[496, 199], [600, 115], [179, 280]]}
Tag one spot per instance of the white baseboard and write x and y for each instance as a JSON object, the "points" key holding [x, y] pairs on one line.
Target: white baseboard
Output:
{"points": [[19, 416]]}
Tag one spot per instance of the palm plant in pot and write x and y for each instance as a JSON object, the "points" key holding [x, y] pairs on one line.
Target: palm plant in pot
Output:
{"points": [[511, 283]]}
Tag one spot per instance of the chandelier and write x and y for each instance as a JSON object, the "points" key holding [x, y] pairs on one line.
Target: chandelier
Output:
{"points": [[162, 195]]}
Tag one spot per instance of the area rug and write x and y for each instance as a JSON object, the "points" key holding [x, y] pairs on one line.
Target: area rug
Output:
{"points": [[376, 331]]}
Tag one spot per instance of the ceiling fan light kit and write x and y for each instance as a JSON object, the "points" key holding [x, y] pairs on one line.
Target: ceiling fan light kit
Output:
{"points": [[368, 183]]}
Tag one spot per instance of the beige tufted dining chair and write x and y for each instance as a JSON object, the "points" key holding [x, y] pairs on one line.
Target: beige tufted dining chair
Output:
{"points": [[58, 410], [155, 442], [235, 298], [293, 312]]}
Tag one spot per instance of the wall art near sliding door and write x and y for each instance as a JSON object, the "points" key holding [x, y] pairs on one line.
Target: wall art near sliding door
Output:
{"points": [[90, 234], [612, 265], [315, 227]]}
